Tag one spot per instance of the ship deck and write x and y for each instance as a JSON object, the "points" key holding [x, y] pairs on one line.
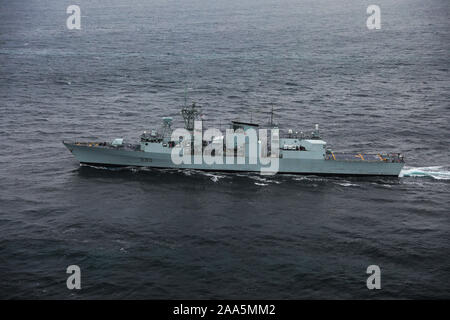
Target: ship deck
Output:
{"points": [[106, 145], [368, 157]]}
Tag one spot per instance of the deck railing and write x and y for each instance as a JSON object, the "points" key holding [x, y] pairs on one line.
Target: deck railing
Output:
{"points": [[369, 157]]}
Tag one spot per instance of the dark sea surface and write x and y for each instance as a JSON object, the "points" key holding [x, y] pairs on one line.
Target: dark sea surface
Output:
{"points": [[186, 234]]}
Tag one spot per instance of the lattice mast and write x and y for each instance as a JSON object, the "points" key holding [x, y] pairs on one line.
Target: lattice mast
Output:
{"points": [[190, 114]]}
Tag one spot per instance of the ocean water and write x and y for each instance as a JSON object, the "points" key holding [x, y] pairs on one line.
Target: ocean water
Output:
{"points": [[138, 233]]}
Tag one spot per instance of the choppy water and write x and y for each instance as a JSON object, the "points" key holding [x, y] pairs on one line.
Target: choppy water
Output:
{"points": [[169, 234]]}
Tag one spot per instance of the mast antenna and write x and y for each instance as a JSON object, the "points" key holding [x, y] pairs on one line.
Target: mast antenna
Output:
{"points": [[271, 117], [190, 115]]}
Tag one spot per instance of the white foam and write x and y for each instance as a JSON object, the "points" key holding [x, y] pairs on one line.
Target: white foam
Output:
{"points": [[435, 172], [214, 177], [257, 178], [348, 184]]}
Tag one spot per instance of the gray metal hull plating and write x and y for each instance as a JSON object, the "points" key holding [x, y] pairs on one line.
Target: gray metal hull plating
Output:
{"points": [[122, 157]]}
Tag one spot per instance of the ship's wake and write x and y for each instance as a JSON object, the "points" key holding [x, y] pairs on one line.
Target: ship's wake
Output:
{"points": [[435, 172]]}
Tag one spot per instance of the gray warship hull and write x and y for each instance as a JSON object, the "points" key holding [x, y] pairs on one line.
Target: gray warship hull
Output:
{"points": [[103, 155]]}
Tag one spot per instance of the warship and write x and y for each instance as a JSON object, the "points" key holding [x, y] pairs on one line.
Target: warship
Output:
{"points": [[295, 152]]}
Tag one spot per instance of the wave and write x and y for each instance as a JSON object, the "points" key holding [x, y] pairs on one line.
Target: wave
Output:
{"points": [[348, 184], [213, 177], [112, 168], [435, 172]]}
